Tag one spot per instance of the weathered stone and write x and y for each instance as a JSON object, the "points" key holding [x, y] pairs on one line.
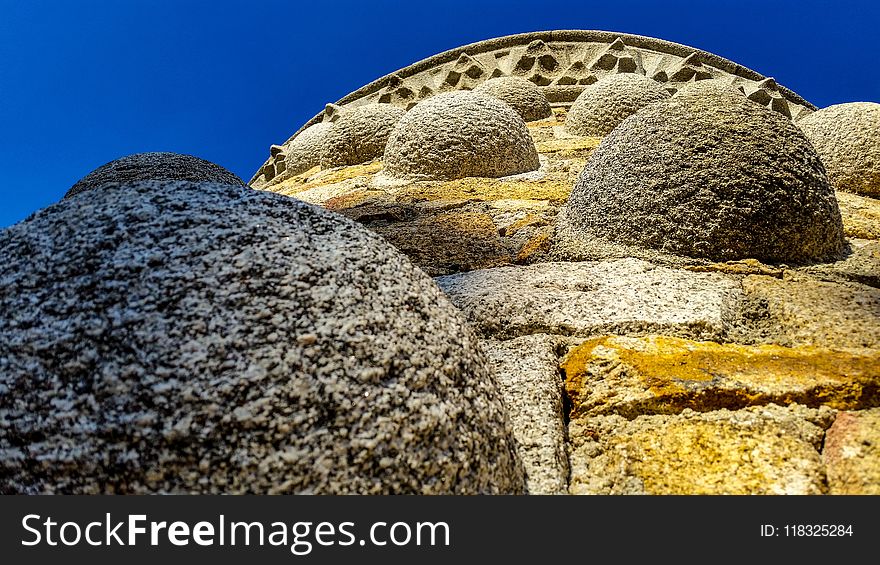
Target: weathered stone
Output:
{"points": [[861, 264], [722, 178], [584, 299], [800, 310], [764, 450], [861, 215], [712, 87], [304, 151], [847, 138], [520, 94], [528, 375], [601, 107], [447, 242], [175, 337], [359, 135], [154, 166], [460, 134], [852, 453], [633, 376]]}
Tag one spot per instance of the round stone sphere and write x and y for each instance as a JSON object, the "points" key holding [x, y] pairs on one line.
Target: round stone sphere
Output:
{"points": [[359, 135], [603, 105], [154, 166], [847, 138], [522, 95], [178, 337], [716, 177], [460, 134], [304, 151]]}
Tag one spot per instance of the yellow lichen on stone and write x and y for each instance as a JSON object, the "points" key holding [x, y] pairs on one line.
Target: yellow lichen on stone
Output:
{"points": [[569, 147], [742, 267], [861, 215], [711, 458], [660, 374], [352, 199], [486, 189], [311, 179], [540, 242]]}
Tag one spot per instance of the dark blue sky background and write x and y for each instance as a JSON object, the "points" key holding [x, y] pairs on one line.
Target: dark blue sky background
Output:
{"points": [[83, 82]]}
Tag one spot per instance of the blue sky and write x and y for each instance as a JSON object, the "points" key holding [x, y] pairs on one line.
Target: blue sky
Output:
{"points": [[83, 82]]}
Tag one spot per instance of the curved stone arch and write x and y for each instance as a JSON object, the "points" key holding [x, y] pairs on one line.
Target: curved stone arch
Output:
{"points": [[563, 63]]}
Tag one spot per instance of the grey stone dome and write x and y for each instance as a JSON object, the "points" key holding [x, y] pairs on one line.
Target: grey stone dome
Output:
{"points": [[154, 166], [603, 105], [171, 337], [847, 138], [460, 134], [522, 95], [722, 177], [359, 135], [304, 151]]}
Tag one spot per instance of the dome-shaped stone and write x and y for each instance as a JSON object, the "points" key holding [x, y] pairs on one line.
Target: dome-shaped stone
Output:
{"points": [[714, 176], [603, 105], [304, 151], [154, 166], [169, 336], [460, 134], [522, 95], [708, 87], [359, 135], [847, 138]]}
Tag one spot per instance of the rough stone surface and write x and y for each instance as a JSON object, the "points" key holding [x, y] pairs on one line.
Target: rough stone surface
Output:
{"points": [[633, 376], [722, 178], [761, 450], [847, 138], [460, 134], [601, 107], [448, 242], [861, 215], [304, 152], [194, 337], [800, 310], [584, 299], [711, 87], [154, 166], [359, 135], [861, 264], [852, 453], [528, 376], [522, 95]]}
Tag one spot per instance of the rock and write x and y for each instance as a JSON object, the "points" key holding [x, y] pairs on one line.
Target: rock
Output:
{"points": [[520, 94], [861, 264], [762, 450], [304, 151], [528, 376], [154, 166], [602, 106], [861, 215], [177, 337], [359, 135], [852, 453], [447, 242], [586, 299], [847, 138], [801, 310], [722, 178], [634, 376], [711, 87], [460, 134]]}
